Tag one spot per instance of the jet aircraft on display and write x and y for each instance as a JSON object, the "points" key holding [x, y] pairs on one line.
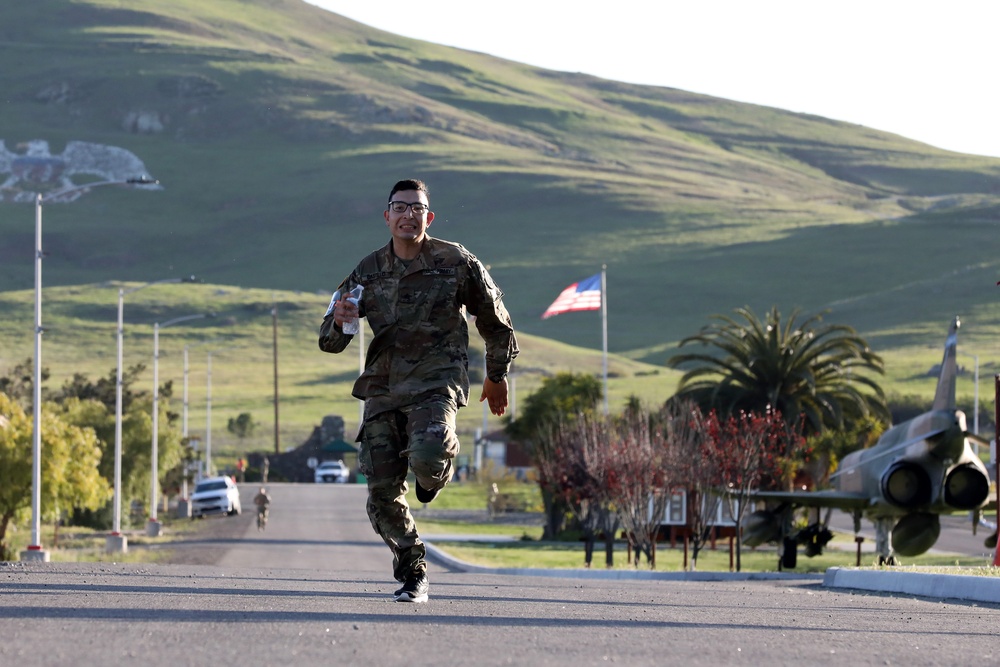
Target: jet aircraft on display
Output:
{"points": [[917, 470]]}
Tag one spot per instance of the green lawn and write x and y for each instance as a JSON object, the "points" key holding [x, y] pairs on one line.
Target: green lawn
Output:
{"points": [[527, 550], [537, 554], [76, 544], [500, 542]]}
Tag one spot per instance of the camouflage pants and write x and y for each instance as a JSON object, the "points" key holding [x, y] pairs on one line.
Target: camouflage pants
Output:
{"points": [[421, 438]]}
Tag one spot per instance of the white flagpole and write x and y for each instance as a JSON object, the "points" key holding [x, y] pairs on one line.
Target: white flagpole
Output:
{"points": [[604, 327]]}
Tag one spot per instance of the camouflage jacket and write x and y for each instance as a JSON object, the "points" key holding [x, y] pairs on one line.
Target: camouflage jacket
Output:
{"points": [[421, 335]]}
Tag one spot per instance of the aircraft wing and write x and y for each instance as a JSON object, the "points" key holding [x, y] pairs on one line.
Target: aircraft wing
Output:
{"points": [[837, 499]]}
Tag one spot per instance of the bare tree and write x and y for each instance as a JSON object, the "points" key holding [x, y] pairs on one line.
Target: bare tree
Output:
{"points": [[640, 478], [696, 462], [578, 472], [560, 399]]}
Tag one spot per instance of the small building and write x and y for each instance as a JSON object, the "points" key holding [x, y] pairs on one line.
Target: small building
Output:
{"points": [[297, 465]]}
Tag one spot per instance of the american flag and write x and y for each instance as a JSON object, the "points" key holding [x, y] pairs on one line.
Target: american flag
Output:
{"points": [[584, 295]]}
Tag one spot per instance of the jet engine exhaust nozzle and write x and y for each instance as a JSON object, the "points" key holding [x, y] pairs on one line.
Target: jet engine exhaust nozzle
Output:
{"points": [[906, 484], [966, 487]]}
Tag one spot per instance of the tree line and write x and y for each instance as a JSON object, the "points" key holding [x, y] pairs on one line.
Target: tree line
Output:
{"points": [[78, 435], [761, 401]]}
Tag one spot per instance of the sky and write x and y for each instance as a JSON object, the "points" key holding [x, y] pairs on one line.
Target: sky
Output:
{"points": [[926, 71]]}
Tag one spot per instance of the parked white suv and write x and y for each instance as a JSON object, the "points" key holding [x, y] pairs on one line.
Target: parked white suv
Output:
{"points": [[331, 471], [215, 495]]}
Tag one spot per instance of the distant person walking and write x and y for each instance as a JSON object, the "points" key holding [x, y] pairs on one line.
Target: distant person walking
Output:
{"points": [[417, 293], [263, 502]]}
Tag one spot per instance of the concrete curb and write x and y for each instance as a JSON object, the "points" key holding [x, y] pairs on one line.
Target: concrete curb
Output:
{"points": [[924, 584]]}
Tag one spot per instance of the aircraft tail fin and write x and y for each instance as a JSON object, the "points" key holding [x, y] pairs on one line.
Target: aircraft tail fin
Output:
{"points": [[944, 397]]}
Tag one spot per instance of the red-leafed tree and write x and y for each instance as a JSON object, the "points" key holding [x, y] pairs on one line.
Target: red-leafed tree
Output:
{"points": [[754, 451], [578, 470]]}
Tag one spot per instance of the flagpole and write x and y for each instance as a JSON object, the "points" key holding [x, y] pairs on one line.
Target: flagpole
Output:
{"points": [[604, 328]]}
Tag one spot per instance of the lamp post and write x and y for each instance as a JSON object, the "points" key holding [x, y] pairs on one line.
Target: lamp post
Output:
{"points": [[35, 551], [184, 411], [184, 418], [183, 507], [153, 526], [208, 418], [116, 542], [975, 417], [208, 410], [975, 409]]}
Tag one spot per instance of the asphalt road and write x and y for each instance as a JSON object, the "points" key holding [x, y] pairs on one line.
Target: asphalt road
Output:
{"points": [[314, 588]]}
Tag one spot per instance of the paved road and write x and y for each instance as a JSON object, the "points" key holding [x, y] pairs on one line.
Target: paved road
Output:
{"points": [[313, 589]]}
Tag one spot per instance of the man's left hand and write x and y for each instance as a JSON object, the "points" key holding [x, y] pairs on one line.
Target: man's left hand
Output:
{"points": [[495, 394]]}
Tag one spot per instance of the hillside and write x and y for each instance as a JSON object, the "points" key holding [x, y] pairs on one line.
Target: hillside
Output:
{"points": [[276, 129], [80, 323]]}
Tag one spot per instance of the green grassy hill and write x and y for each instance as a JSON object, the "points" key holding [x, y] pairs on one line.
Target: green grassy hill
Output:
{"points": [[277, 128], [80, 337]]}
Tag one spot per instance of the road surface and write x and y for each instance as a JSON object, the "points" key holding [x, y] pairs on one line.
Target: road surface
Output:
{"points": [[314, 589]]}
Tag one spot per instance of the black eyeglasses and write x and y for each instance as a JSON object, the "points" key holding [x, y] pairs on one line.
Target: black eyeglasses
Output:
{"points": [[418, 207]]}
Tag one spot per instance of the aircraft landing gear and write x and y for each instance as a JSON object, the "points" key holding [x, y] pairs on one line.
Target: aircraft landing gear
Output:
{"points": [[789, 554], [883, 541]]}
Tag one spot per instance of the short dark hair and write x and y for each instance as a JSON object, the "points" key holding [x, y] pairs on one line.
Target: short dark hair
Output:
{"points": [[410, 184]]}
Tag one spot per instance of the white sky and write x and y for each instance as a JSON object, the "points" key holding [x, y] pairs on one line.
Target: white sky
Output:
{"points": [[924, 70]]}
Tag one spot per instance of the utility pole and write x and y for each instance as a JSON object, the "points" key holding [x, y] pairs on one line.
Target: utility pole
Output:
{"points": [[274, 323]]}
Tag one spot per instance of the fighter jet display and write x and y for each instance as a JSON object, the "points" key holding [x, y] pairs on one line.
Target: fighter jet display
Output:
{"points": [[917, 470]]}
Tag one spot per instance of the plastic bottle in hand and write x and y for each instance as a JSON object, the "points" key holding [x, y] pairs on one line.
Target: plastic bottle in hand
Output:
{"points": [[353, 326]]}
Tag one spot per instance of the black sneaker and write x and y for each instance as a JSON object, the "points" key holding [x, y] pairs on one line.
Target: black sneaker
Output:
{"points": [[414, 590], [425, 496]]}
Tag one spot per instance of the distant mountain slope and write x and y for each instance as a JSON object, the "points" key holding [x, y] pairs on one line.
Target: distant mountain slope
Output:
{"points": [[277, 128]]}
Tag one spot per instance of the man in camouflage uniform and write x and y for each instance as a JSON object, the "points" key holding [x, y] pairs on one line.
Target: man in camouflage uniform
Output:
{"points": [[417, 293]]}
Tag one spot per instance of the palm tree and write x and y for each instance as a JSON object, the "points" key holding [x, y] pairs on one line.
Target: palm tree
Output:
{"points": [[821, 372]]}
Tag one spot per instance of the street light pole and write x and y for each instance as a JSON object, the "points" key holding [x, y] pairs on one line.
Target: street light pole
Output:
{"points": [[975, 409], [208, 419], [184, 420], [116, 542], [208, 410], [153, 526], [274, 324], [35, 551]]}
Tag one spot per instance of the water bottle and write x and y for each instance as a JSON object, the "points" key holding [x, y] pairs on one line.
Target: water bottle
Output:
{"points": [[353, 326]]}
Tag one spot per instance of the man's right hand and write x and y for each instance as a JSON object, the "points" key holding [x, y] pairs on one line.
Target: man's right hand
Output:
{"points": [[344, 311]]}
